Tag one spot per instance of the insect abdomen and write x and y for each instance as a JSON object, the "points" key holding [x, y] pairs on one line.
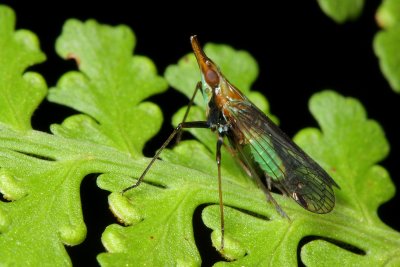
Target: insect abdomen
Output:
{"points": [[268, 160]]}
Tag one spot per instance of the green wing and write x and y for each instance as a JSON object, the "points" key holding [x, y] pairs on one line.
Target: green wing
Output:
{"points": [[284, 164]]}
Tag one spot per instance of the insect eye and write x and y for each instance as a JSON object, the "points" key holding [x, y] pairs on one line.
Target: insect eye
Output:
{"points": [[212, 78]]}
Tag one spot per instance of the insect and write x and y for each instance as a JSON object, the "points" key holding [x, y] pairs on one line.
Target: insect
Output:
{"points": [[263, 149]]}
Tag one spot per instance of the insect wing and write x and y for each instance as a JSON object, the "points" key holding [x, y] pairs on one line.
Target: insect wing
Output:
{"points": [[285, 165]]}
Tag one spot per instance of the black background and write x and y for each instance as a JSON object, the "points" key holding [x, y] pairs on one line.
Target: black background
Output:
{"points": [[300, 51]]}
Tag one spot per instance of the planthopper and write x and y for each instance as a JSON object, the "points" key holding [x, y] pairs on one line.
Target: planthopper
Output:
{"points": [[263, 149]]}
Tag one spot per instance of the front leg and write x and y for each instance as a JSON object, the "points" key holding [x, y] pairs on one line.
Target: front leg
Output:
{"points": [[178, 129]]}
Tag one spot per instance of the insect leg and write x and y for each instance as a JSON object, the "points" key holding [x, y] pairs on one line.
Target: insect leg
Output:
{"points": [[198, 86], [250, 167], [234, 154], [221, 206], [178, 129], [271, 199]]}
